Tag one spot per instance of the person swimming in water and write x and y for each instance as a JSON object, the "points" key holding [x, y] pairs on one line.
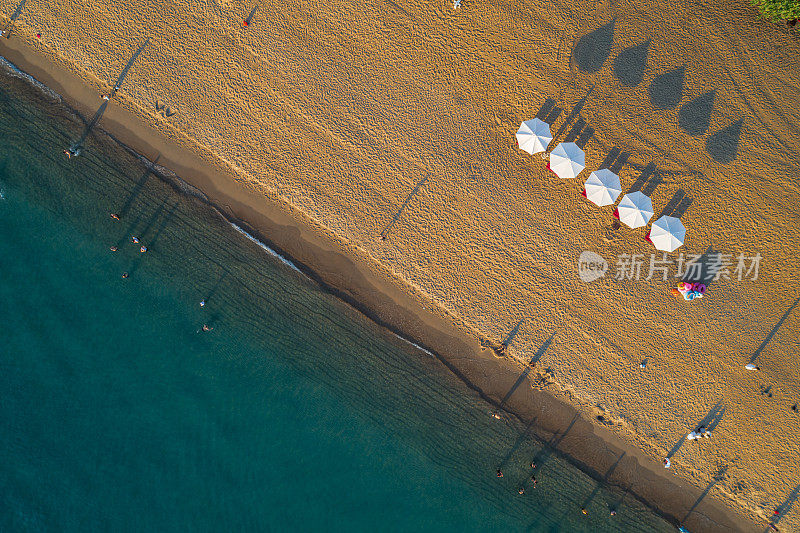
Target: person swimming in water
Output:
{"points": [[206, 327], [124, 275], [135, 240], [114, 248], [203, 303], [499, 473], [115, 216], [521, 490], [143, 249]]}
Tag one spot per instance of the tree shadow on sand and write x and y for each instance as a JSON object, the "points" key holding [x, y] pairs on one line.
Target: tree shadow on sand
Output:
{"points": [[666, 89], [724, 144], [695, 116], [631, 63], [592, 50]]}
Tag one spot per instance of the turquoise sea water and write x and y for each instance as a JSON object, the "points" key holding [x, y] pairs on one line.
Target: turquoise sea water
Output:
{"points": [[294, 413]]}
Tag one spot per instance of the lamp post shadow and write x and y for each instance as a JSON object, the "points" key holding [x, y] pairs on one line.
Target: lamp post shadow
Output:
{"points": [[385, 233]]}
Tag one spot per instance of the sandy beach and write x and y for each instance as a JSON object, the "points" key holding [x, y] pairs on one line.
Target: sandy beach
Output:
{"points": [[327, 126]]}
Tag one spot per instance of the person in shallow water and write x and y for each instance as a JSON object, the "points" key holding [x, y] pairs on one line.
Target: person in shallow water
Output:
{"points": [[521, 490], [124, 275], [115, 216], [499, 473], [206, 327]]}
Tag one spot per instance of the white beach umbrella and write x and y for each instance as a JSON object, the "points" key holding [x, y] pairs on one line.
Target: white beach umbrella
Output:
{"points": [[602, 187], [635, 209], [567, 160], [667, 233], [533, 136]]}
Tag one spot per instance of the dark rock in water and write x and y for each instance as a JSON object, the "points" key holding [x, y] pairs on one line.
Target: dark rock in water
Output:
{"points": [[666, 89], [695, 116], [630, 64], [593, 49], [724, 145]]}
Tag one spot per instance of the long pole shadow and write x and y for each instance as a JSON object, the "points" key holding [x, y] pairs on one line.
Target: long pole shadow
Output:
{"points": [[576, 109], [647, 171], [710, 422], [128, 231], [414, 191], [517, 443], [673, 203], [511, 335], [547, 450], [75, 149], [544, 111], [152, 243], [719, 476], [682, 207], [207, 298], [712, 418], [602, 482], [774, 330], [137, 189], [249, 18], [522, 377], [131, 61], [10, 26], [784, 508]]}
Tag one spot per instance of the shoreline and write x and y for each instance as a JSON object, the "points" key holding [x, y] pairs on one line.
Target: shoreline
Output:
{"points": [[365, 287]]}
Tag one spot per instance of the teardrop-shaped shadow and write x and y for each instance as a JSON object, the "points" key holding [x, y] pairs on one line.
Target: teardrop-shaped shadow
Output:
{"points": [[695, 116], [592, 50], [666, 89], [629, 64], [724, 144]]}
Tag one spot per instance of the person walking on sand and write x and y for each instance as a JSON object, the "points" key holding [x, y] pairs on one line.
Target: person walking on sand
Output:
{"points": [[751, 366], [667, 462]]}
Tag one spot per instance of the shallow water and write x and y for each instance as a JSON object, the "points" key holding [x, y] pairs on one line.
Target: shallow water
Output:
{"points": [[293, 413]]}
